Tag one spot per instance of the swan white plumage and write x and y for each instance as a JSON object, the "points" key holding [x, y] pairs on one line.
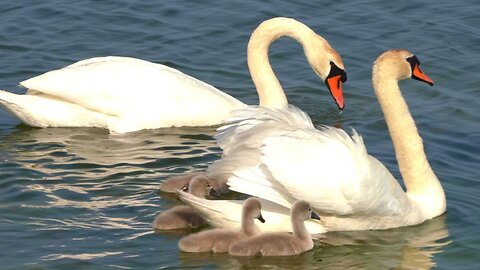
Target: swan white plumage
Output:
{"points": [[224, 214], [279, 156], [126, 94]]}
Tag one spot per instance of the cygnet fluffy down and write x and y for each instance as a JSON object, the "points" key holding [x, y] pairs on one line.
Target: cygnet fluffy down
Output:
{"points": [[219, 240], [280, 244], [183, 216]]}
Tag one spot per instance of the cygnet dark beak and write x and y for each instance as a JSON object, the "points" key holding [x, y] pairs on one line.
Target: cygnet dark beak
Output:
{"points": [[261, 218], [214, 193], [315, 216]]}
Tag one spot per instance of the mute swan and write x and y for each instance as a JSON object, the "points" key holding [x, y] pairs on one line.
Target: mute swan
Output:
{"points": [[219, 240], [280, 244], [265, 152], [126, 94], [183, 216]]}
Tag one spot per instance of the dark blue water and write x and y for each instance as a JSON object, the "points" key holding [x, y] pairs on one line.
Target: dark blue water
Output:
{"points": [[84, 199]]}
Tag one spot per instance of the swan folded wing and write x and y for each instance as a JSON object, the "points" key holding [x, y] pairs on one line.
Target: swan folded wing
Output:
{"points": [[332, 171], [257, 181], [216, 212], [96, 60], [241, 141], [250, 125], [119, 85], [246, 175]]}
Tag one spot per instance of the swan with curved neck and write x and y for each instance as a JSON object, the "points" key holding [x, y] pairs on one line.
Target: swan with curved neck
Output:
{"points": [[349, 188], [325, 61], [126, 94]]}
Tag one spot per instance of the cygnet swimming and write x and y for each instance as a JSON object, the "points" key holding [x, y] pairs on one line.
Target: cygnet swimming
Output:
{"points": [[183, 216], [172, 184], [280, 244], [219, 240]]}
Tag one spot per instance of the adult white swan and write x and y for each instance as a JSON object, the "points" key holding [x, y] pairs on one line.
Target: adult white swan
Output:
{"points": [[125, 94], [279, 156]]}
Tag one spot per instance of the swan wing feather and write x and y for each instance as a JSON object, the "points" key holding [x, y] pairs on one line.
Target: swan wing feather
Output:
{"points": [[332, 171], [278, 155], [118, 85]]}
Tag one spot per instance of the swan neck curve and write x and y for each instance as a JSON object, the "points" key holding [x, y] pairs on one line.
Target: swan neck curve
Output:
{"points": [[423, 186], [248, 225], [299, 229], [269, 90]]}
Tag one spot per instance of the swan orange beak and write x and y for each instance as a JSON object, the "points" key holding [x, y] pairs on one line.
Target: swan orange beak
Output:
{"points": [[418, 74], [334, 81], [334, 84]]}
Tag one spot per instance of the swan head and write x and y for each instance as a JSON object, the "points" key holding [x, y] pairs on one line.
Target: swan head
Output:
{"points": [[400, 64], [252, 209], [200, 186], [303, 211], [328, 65]]}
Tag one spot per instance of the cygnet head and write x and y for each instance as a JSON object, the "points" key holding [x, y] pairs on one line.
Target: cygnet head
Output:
{"points": [[302, 210], [200, 186], [328, 64], [399, 64], [252, 209]]}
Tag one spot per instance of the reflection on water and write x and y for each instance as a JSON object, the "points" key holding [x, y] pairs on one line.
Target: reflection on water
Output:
{"points": [[93, 153], [403, 248], [88, 170], [83, 256], [97, 146]]}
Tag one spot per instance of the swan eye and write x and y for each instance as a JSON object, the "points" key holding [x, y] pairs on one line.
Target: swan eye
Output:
{"points": [[335, 71], [208, 185], [413, 61], [185, 188]]}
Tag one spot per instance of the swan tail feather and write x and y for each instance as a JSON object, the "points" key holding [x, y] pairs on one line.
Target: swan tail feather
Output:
{"points": [[17, 105]]}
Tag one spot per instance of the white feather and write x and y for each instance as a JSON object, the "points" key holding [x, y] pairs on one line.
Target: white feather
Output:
{"points": [[278, 155], [119, 93], [227, 214]]}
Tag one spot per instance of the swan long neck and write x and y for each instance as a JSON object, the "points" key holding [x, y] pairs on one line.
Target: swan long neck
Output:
{"points": [[421, 183], [269, 90], [299, 229], [248, 225]]}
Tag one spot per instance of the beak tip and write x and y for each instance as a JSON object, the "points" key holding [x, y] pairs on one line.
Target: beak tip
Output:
{"points": [[315, 216], [261, 219], [214, 193]]}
